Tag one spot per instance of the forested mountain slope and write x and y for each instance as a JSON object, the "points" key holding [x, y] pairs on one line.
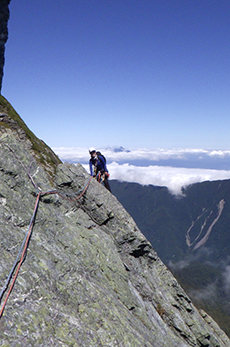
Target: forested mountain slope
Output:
{"points": [[191, 234], [88, 277]]}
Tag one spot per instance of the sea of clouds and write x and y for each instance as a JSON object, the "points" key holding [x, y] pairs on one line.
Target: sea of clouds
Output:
{"points": [[172, 177], [174, 168]]}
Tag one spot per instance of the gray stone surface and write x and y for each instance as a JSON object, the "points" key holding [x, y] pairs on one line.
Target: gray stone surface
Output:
{"points": [[90, 278]]}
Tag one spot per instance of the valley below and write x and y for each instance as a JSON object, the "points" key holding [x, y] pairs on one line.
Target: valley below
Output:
{"points": [[191, 234]]}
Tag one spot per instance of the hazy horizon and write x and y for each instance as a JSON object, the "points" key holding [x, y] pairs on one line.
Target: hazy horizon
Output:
{"points": [[175, 168]]}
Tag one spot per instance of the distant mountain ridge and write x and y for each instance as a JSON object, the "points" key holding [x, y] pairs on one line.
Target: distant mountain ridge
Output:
{"points": [[198, 218], [191, 234], [176, 158], [89, 276]]}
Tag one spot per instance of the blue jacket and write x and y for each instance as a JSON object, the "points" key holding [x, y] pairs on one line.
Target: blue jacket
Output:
{"points": [[98, 164]]}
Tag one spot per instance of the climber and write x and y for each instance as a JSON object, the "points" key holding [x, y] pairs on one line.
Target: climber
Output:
{"points": [[97, 166]]}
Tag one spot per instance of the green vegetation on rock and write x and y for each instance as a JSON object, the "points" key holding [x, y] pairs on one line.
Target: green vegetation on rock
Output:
{"points": [[10, 119], [90, 277]]}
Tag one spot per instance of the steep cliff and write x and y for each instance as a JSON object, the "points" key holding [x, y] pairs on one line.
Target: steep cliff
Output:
{"points": [[90, 277], [4, 17], [191, 236]]}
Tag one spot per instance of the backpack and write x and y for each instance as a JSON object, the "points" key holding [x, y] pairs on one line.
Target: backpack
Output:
{"points": [[101, 155]]}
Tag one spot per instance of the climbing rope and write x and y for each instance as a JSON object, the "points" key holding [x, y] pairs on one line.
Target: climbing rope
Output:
{"points": [[68, 196], [22, 256], [25, 243], [16, 262]]}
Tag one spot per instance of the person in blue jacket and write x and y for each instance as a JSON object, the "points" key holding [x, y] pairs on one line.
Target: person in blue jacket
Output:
{"points": [[98, 168]]}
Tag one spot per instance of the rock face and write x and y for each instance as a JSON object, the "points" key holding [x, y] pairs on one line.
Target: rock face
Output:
{"points": [[191, 236], [4, 17], [90, 277]]}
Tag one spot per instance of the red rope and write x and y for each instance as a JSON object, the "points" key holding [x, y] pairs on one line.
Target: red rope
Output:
{"points": [[22, 256], [65, 196], [29, 234]]}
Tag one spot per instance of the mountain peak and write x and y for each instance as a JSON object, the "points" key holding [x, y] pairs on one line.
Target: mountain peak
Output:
{"points": [[90, 277]]}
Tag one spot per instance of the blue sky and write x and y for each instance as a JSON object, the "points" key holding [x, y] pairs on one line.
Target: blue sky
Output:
{"points": [[131, 73]]}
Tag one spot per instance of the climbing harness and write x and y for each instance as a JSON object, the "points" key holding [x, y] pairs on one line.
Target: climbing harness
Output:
{"points": [[99, 177], [23, 249]]}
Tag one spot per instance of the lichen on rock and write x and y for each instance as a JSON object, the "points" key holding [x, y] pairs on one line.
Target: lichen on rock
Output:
{"points": [[90, 277]]}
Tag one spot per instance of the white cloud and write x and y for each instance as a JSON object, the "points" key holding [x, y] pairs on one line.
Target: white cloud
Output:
{"points": [[172, 177], [80, 154], [218, 153], [73, 154], [180, 265], [226, 276], [208, 292]]}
